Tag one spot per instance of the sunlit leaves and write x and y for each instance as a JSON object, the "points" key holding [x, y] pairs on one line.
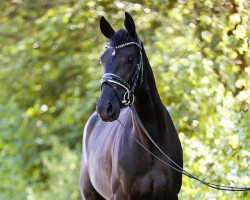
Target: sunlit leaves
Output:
{"points": [[49, 75]]}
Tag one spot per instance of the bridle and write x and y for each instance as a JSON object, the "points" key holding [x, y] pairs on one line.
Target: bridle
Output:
{"points": [[130, 88]]}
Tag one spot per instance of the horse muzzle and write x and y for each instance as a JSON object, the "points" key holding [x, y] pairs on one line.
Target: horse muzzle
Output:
{"points": [[108, 105]]}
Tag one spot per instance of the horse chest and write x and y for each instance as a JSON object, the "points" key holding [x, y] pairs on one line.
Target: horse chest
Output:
{"points": [[119, 168], [148, 182], [137, 175]]}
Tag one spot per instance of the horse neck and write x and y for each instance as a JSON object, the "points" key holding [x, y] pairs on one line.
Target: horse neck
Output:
{"points": [[148, 103]]}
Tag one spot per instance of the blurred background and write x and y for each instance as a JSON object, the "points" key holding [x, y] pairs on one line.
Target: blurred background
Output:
{"points": [[50, 82]]}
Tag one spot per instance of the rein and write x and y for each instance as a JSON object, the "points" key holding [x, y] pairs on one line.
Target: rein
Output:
{"points": [[128, 100], [177, 167]]}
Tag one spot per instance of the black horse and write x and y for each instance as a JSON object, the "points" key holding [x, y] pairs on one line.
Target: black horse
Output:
{"points": [[114, 165]]}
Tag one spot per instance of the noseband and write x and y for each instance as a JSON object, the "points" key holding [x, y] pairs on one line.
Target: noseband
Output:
{"points": [[130, 88]]}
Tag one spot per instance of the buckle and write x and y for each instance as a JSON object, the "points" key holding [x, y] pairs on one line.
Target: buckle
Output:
{"points": [[128, 98]]}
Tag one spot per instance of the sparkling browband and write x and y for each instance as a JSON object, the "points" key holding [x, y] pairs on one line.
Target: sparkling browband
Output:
{"points": [[124, 45]]}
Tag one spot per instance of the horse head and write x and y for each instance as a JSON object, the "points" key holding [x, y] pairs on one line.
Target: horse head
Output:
{"points": [[123, 69]]}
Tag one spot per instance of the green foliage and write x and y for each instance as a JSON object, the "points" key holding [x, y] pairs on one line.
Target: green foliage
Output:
{"points": [[50, 81]]}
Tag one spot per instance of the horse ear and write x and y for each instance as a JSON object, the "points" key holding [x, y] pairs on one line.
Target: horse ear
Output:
{"points": [[129, 24], [106, 28]]}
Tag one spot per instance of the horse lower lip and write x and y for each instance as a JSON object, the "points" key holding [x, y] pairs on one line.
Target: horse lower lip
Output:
{"points": [[108, 120], [111, 118]]}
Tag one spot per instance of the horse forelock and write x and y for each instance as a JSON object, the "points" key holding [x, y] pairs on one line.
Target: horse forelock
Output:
{"points": [[120, 37]]}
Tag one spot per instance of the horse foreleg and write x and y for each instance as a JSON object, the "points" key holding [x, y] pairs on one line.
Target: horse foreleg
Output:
{"points": [[119, 195], [87, 190]]}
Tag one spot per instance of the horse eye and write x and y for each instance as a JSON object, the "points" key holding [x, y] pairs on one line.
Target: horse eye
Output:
{"points": [[131, 58]]}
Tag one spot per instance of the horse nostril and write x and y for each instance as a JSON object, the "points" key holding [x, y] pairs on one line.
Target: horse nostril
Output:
{"points": [[110, 109]]}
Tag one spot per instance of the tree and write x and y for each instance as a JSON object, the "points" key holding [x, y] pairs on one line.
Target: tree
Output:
{"points": [[50, 81]]}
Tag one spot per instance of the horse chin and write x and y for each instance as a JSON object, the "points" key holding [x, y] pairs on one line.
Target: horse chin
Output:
{"points": [[109, 118], [108, 112]]}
